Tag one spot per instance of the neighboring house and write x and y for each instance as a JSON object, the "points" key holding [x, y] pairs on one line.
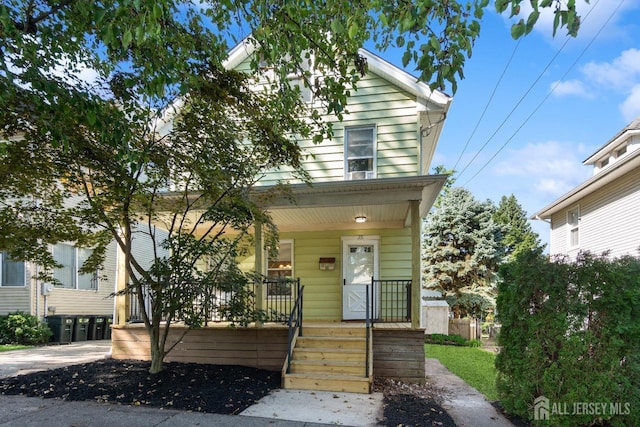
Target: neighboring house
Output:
{"points": [[74, 294], [603, 213], [86, 294], [359, 222]]}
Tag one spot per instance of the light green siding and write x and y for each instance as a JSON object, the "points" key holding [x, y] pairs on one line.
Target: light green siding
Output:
{"points": [[376, 103], [323, 288]]}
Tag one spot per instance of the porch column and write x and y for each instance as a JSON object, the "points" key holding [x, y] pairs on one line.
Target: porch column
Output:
{"points": [[416, 227], [121, 300], [258, 257]]}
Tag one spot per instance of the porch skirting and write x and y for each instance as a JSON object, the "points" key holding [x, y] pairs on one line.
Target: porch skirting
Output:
{"points": [[397, 352]]}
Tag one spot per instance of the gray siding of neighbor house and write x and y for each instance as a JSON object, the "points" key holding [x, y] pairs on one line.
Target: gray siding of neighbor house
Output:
{"points": [[16, 298], [609, 220], [80, 301]]}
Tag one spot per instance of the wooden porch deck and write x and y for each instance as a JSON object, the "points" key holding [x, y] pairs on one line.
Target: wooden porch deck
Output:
{"points": [[398, 349]]}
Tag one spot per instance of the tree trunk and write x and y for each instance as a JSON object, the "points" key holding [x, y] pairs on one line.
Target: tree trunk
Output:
{"points": [[157, 353]]}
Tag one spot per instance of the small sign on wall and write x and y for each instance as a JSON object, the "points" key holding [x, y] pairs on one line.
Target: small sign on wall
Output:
{"points": [[327, 264]]}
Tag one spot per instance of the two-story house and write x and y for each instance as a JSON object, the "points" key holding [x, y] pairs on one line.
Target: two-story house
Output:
{"points": [[603, 213], [352, 239]]}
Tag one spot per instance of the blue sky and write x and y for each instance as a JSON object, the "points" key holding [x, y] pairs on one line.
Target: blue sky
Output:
{"points": [[547, 115]]}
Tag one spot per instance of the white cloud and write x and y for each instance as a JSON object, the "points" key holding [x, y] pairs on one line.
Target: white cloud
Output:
{"points": [[630, 108], [571, 87], [551, 168], [621, 74]]}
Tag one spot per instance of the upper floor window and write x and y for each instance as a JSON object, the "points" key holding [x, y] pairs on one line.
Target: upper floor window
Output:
{"points": [[12, 273], [620, 151], [71, 259], [360, 153], [280, 266], [573, 220]]}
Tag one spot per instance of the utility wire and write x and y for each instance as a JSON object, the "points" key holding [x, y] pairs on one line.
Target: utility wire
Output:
{"points": [[486, 107], [535, 82], [550, 92]]}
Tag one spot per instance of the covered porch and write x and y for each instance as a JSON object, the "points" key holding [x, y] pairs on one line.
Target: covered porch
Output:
{"points": [[350, 303]]}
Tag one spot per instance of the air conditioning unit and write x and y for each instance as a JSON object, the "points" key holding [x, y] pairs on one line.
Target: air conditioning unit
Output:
{"points": [[361, 175]]}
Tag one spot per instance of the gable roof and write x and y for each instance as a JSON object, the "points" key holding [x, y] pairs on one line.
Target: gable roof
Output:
{"points": [[612, 172], [632, 128], [376, 65]]}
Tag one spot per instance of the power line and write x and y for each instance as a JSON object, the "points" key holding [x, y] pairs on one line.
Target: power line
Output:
{"points": [[535, 82], [549, 93], [486, 107]]}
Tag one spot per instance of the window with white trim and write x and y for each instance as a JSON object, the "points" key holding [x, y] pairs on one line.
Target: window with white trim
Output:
{"points": [[12, 273], [360, 153], [280, 269], [71, 259], [573, 221]]}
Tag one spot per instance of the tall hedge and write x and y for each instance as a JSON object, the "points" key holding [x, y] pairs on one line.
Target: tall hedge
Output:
{"points": [[571, 333]]}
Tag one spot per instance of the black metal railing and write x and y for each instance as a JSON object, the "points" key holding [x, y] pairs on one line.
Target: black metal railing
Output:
{"points": [[295, 325], [219, 305], [391, 301]]}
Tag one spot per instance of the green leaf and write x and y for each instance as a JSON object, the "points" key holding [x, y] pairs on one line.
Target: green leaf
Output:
{"points": [[353, 30], [127, 37], [517, 30], [501, 5], [531, 21], [336, 26], [91, 117]]}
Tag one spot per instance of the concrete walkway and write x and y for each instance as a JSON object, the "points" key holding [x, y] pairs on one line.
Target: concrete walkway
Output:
{"points": [[281, 408], [466, 405]]}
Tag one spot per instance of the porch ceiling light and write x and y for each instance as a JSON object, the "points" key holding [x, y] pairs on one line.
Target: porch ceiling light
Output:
{"points": [[360, 219]]}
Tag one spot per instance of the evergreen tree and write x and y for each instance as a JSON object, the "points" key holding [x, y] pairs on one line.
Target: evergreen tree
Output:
{"points": [[462, 248], [518, 236]]}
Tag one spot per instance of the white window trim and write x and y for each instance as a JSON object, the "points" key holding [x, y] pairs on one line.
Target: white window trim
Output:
{"points": [[76, 267], [266, 264], [24, 279], [571, 227], [374, 142]]}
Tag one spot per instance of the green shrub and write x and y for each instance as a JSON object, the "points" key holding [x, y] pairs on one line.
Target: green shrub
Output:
{"points": [[570, 333], [474, 343], [448, 340], [23, 328]]}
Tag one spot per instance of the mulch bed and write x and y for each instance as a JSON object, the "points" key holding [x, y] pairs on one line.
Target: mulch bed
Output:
{"points": [[203, 388]]}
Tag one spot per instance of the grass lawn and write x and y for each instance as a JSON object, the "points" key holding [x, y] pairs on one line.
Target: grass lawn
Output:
{"points": [[473, 365], [9, 347]]}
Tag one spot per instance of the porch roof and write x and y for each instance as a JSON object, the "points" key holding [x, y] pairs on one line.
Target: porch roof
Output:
{"points": [[384, 202]]}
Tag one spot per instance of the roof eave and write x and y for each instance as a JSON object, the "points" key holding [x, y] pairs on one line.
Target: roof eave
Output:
{"points": [[592, 184]]}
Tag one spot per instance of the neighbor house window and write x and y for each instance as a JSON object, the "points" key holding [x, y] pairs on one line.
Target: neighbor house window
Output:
{"points": [[360, 159], [71, 259], [280, 269], [12, 273], [573, 220]]}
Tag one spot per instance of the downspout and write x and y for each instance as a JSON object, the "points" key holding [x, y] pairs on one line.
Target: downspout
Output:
{"points": [[35, 284]]}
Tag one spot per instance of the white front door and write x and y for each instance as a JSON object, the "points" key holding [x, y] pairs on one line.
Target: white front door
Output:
{"points": [[360, 264]]}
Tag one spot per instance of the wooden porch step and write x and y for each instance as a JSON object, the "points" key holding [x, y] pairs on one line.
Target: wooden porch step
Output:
{"points": [[338, 342], [327, 367], [329, 331], [345, 355], [328, 382], [329, 358]]}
